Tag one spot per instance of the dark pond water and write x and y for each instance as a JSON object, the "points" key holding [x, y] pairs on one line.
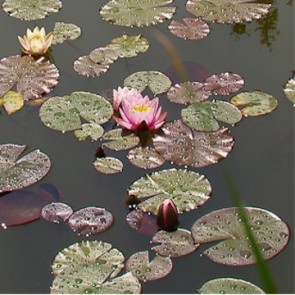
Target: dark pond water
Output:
{"points": [[261, 163]]}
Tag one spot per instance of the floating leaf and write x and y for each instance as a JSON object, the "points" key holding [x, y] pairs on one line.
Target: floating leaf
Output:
{"points": [[146, 270], [63, 113], [32, 78], [137, 13], [289, 90], [229, 286], [129, 46], [65, 31], [227, 11], [93, 130], [156, 81], [29, 9], [56, 212], [188, 92], [175, 244], [186, 189], [193, 29], [103, 56], [146, 158], [119, 141], [234, 247], [183, 146], [203, 116], [17, 173], [256, 103], [12, 102], [108, 165]]}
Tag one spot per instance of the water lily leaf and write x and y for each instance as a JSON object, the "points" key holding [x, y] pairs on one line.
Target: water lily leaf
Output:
{"points": [[65, 31], [226, 226], [103, 56], [119, 141], [186, 189], [108, 165], [56, 212], [229, 286], [175, 244], [156, 81], [183, 146], [146, 158], [93, 130], [204, 116], [17, 173], [63, 113], [193, 29], [129, 46], [144, 269], [137, 13], [32, 78], [12, 102], [188, 92], [289, 90], [256, 103], [227, 11], [29, 9]]}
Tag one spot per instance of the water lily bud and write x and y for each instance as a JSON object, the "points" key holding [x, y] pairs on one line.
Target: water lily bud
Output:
{"points": [[167, 216]]}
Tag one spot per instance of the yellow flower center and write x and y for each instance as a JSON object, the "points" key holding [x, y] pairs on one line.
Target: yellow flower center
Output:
{"points": [[141, 108]]}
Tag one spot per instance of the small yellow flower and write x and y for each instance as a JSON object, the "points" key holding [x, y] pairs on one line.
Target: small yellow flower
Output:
{"points": [[36, 42]]}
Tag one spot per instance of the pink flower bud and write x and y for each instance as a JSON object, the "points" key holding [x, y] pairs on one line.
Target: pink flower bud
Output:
{"points": [[167, 216]]}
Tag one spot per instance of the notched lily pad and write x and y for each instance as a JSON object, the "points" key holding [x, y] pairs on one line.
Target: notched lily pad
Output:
{"points": [[56, 212], [226, 227], [108, 165], [289, 90], [12, 102], [65, 31], [93, 130], [103, 56]]}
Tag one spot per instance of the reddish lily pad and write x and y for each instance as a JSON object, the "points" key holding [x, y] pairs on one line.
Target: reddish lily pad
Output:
{"points": [[56, 212], [103, 56]]}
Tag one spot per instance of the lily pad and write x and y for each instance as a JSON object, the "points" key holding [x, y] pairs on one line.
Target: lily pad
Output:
{"points": [[204, 116], [144, 269], [186, 189], [56, 212], [12, 102], [156, 81], [29, 9], [137, 13], [183, 146], [93, 130], [103, 56], [227, 11], [129, 46], [256, 103], [174, 244], [193, 29], [63, 113], [289, 90], [65, 31], [17, 173], [32, 78], [229, 286], [225, 226], [108, 165]]}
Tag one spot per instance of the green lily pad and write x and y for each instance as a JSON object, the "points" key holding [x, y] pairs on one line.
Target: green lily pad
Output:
{"points": [[256, 103], [65, 113], [186, 189], [175, 244], [203, 116], [227, 11], [65, 31], [108, 165], [156, 81], [289, 90], [146, 270], [129, 46], [30, 9], [225, 226], [137, 13], [103, 56], [229, 286], [93, 130], [12, 102], [17, 173]]}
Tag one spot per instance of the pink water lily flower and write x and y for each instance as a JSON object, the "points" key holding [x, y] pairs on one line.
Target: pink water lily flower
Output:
{"points": [[122, 93], [135, 110]]}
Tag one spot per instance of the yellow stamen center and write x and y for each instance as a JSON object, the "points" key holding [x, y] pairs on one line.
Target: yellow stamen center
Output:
{"points": [[141, 108]]}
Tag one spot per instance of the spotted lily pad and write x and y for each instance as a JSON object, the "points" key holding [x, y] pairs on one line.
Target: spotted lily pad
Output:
{"points": [[17, 173], [255, 103], [174, 244], [186, 189], [12, 102], [146, 270], [137, 13], [65, 31], [183, 146], [56, 212], [103, 56], [193, 29], [229, 286], [226, 226], [93, 130], [108, 165], [64, 113], [129, 46], [156, 81], [227, 11], [31, 9], [289, 90], [204, 116]]}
